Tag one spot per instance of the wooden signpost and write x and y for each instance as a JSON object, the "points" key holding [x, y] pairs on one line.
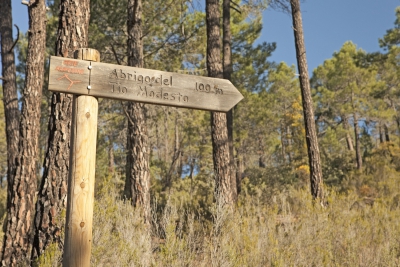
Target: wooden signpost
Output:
{"points": [[78, 229], [141, 85], [87, 79]]}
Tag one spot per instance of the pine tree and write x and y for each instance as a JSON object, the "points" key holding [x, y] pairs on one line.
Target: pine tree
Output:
{"points": [[169, 31], [227, 73], [392, 36], [3, 142], [388, 72], [343, 93], [223, 173], [286, 107], [137, 185], [17, 241], [308, 110], [52, 195], [10, 97]]}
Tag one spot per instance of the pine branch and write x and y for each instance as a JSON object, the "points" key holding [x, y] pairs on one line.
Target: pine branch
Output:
{"points": [[237, 10], [115, 54], [237, 5], [16, 41]]}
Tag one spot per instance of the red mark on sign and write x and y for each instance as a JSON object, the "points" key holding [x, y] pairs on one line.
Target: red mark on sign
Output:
{"points": [[70, 63], [71, 81], [69, 70]]}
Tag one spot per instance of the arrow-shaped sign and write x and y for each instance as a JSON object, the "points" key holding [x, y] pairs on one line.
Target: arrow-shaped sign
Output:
{"points": [[141, 85]]}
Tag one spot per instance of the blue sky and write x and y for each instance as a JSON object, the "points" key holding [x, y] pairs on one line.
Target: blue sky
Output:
{"points": [[328, 24]]}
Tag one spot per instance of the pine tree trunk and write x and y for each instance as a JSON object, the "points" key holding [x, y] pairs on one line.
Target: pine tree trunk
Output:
{"points": [[166, 137], [111, 168], [138, 171], [52, 196], [227, 43], [178, 147], [283, 138], [386, 129], [225, 193], [10, 97], [17, 239], [239, 168], [311, 136], [289, 137], [358, 145], [397, 119], [380, 134], [349, 141], [175, 158]]}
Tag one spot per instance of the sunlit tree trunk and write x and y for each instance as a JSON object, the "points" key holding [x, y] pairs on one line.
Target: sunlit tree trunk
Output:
{"points": [[283, 138], [386, 129], [111, 168], [17, 239], [72, 34], [349, 141], [309, 121], [380, 134], [227, 71], [10, 97], [358, 144], [178, 148], [225, 193], [138, 171]]}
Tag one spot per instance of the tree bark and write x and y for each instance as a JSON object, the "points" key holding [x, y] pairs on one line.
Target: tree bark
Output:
{"points": [[289, 140], [138, 170], [225, 193], [166, 138], [175, 159], [349, 141], [52, 196], [311, 136], [387, 136], [10, 97], [111, 168], [397, 119], [178, 147], [227, 69], [283, 138], [239, 170], [358, 145], [17, 239], [380, 134]]}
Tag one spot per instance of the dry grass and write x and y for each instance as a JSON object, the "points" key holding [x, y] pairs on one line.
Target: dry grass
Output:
{"points": [[279, 234], [284, 229]]}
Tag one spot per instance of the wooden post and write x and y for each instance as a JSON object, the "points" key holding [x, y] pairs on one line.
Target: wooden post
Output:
{"points": [[78, 233]]}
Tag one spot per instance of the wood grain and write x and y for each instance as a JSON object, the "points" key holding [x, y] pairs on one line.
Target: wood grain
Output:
{"points": [[143, 85], [69, 75], [81, 180]]}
